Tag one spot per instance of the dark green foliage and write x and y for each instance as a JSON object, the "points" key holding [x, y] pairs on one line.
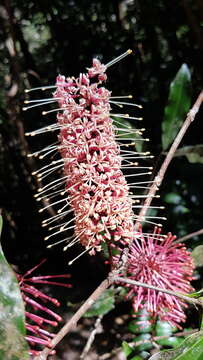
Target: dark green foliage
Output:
{"points": [[13, 345], [146, 331], [190, 349], [179, 102], [197, 255], [194, 154], [103, 305]]}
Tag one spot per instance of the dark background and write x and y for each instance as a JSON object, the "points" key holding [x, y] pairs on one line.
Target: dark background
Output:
{"points": [[38, 40]]}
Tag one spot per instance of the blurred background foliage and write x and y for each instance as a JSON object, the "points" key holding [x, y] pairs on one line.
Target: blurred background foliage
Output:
{"points": [[38, 40]]}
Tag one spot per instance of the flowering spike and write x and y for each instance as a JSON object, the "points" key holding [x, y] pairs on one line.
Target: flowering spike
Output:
{"points": [[158, 261], [92, 161]]}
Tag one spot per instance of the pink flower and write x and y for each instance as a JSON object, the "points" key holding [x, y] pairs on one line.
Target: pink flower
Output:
{"points": [[158, 261], [39, 334], [96, 187]]}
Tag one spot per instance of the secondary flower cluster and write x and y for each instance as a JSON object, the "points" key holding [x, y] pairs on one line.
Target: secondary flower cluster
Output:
{"points": [[158, 261], [35, 323], [96, 187]]}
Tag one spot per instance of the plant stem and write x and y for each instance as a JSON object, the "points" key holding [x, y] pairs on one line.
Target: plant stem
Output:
{"points": [[91, 337], [189, 236], [166, 291], [160, 176], [72, 323]]}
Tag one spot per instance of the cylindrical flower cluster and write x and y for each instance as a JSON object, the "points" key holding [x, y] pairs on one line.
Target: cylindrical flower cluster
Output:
{"points": [[96, 187]]}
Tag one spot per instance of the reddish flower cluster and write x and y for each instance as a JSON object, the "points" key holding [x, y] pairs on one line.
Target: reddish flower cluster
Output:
{"points": [[158, 261], [36, 324], [96, 186]]}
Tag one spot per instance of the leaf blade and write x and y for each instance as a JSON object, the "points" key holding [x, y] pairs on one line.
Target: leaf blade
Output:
{"points": [[194, 154], [190, 349], [13, 345], [179, 102], [103, 305]]}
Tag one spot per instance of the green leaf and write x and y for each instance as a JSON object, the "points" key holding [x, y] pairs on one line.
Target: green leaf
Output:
{"points": [[135, 328], [190, 349], [143, 345], [141, 324], [172, 341], [173, 198], [13, 345], [194, 154], [126, 348], [197, 255], [103, 305], [179, 102], [163, 328], [125, 125]]}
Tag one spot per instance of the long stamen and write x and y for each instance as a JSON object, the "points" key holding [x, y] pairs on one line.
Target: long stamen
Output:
{"points": [[50, 111], [137, 167], [126, 116], [60, 231], [55, 218], [146, 173], [41, 88], [50, 151], [119, 137], [144, 196], [42, 103], [47, 172], [148, 207], [46, 166], [74, 241], [49, 196], [122, 97], [125, 103], [53, 182], [42, 100], [120, 57], [77, 257], [59, 242], [55, 203], [142, 182], [43, 129]]}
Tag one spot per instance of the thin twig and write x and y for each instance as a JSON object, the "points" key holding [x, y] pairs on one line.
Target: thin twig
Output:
{"points": [[160, 176], [166, 291], [189, 236], [105, 284], [97, 327], [72, 323]]}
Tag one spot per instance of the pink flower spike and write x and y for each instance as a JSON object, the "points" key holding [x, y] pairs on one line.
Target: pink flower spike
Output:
{"points": [[95, 185], [160, 262]]}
